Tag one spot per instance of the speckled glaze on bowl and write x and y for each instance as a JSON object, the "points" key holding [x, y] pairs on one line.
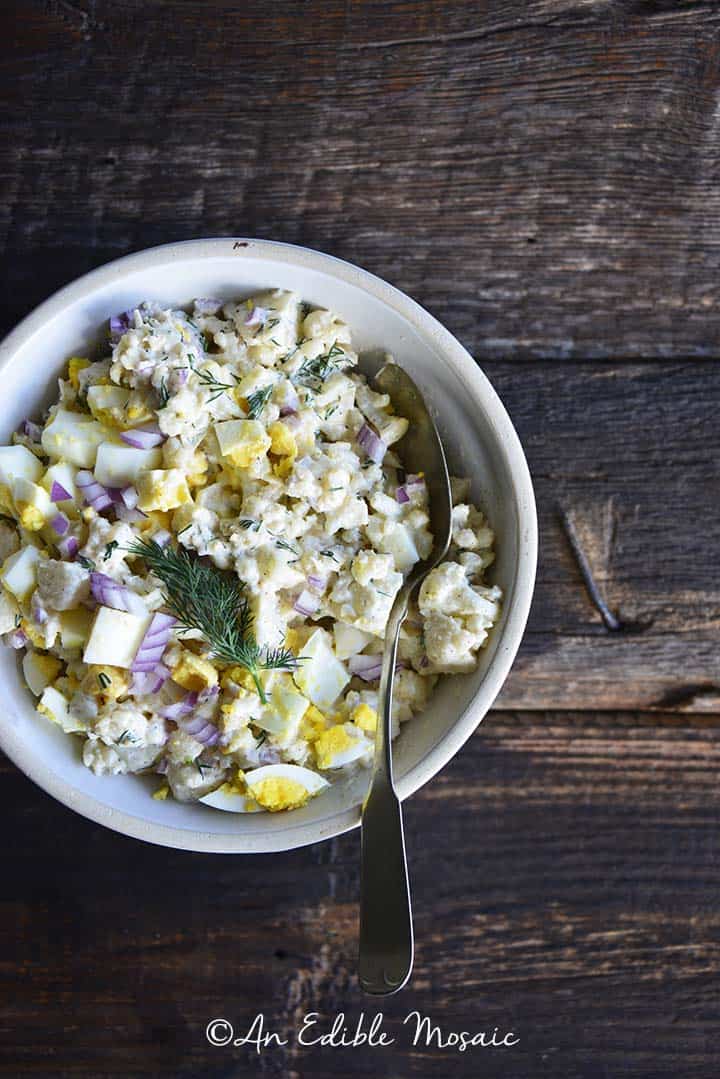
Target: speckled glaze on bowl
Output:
{"points": [[480, 441]]}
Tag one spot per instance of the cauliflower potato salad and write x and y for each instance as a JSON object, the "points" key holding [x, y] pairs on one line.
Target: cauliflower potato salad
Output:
{"points": [[200, 546]]}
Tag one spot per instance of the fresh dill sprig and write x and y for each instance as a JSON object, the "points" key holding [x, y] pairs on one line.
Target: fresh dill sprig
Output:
{"points": [[204, 598], [256, 401]]}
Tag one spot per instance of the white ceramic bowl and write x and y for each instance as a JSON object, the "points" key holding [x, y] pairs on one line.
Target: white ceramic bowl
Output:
{"points": [[480, 441]]}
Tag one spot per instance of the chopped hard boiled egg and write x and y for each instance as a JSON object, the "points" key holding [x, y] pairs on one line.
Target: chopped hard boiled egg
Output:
{"points": [[341, 745], [18, 463], [115, 637], [283, 786], [33, 507], [321, 676], [39, 671], [19, 572], [73, 437], [119, 465], [242, 441], [230, 800], [55, 707], [75, 627], [162, 489]]}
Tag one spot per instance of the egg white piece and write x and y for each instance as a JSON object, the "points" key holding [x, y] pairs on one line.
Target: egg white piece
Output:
{"points": [[231, 802]]}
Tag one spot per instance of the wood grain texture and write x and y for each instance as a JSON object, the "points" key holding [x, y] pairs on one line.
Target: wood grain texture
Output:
{"points": [[631, 453], [540, 174], [559, 893], [543, 176]]}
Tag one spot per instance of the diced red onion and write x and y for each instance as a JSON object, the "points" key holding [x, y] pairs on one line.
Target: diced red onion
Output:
{"points": [[110, 593], [306, 603], [119, 324], [94, 493], [161, 768], [184, 707], [414, 480], [366, 667], [207, 306], [58, 493], [145, 683], [267, 754], [258, 316], [129, 517], [208, 694], [317, 582], [129, 497], [60, 524], [199, 728], [69, 547], [292, 421], [32, 430], [369, 668], [143, 438], [182, 376], [401, 495], [371, 442], [154, 643], [162, 538], [18, 638], [38, 612]]}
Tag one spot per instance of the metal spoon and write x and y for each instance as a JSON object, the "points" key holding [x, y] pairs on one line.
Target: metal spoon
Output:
{"points": [[386, 932]]}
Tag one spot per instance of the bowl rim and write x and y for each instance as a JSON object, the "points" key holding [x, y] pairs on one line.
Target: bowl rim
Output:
{"points": [[302, 834]]}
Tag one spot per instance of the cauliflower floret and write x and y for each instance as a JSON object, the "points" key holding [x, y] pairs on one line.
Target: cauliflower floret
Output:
{"points": [[450, 648], [457, 617], [188, 782], [446, 589], [370, 566], [470, 530], [62, 585], [106, 547], [123, 741], [127, 727]]}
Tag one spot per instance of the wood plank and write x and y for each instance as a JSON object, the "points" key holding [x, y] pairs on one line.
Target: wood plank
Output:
{"points": [[630, 452], [562, 891], [540, 175]]}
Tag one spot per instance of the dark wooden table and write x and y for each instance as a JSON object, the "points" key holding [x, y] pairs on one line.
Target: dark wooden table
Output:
{"points": [[544, 176]]}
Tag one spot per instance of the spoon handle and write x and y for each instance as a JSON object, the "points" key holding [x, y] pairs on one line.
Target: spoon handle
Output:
{"points": [[386, 931]]}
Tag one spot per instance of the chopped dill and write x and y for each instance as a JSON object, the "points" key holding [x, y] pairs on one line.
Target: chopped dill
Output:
{"points": [[285, 546], [105, 680], [86, 563], [256, 401], [163, 392], [204, 598], [109, 548]]}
